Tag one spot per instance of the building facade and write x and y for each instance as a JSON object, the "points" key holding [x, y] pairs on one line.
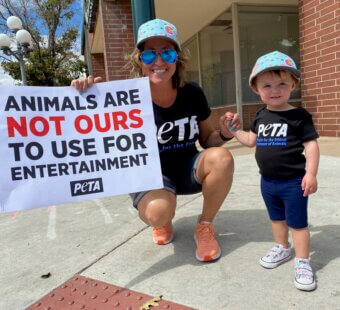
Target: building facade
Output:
{"points": [[224, 39]]}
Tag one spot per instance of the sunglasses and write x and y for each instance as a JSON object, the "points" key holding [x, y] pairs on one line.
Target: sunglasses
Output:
{"points": [[149, 56]]}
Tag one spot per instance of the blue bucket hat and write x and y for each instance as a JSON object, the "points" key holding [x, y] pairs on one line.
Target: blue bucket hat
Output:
{"points": [[274, 61], [157, 28]]}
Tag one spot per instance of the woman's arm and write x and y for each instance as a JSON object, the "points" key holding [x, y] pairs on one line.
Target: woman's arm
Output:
{"points": [[208, 136]]}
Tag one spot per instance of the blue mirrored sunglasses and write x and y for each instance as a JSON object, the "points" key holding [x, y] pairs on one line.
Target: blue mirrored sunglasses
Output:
{"points": [[149, 56]]}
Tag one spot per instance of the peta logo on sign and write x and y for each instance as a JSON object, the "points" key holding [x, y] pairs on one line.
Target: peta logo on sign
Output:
{"points": [[85, 187]]}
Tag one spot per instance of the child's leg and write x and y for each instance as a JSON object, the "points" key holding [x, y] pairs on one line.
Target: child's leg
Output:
{"points": [[304, 276], [281, 251], [301, 241], [276, 210], [296, 217], [297, 220], [280, 233]]}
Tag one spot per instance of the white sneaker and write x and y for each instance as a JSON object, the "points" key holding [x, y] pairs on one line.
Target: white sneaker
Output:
{"points": [[304, 277], [276, 256]]}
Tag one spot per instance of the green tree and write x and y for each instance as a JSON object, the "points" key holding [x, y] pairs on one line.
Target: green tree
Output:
{"points": [[52, 61]]}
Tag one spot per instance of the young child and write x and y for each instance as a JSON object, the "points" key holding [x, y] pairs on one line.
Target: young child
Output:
{"points": [[281, 132]]}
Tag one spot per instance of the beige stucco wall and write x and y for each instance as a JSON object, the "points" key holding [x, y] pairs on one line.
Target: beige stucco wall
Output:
{"points": [[190, 16], [98, 42]]}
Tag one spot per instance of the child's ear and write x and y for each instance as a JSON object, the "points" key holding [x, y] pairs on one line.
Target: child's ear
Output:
{"points": [[254, 88], [295, 84]]}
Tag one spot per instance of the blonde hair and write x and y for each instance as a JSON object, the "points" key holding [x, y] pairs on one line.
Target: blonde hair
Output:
{"points": [[134, 65]]}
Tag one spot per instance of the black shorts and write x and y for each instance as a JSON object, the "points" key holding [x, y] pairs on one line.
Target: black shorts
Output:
{"points": [[185, 182]]}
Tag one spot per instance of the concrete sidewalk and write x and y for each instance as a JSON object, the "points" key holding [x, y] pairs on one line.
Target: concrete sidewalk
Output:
{"points": [[105, 240]]}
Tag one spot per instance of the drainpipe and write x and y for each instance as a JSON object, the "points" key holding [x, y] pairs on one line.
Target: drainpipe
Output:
{"points": [[142, 11], [237, 60], [85, 46]]}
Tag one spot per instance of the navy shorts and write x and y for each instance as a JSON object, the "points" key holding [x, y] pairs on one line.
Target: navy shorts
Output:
{"points": [[185, 182], [285, 201]]}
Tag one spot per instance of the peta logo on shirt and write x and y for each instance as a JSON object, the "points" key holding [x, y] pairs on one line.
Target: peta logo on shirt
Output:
{"points": [[272, 130], [177, 130]]}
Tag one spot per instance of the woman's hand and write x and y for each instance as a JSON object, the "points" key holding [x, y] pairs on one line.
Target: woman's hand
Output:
{"points": [[82, 84], [229, 123]]}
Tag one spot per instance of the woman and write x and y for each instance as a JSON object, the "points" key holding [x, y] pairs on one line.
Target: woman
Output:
{"points": [[181, 115]]}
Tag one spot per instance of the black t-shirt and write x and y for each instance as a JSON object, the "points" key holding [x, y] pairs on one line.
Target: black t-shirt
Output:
{"points": [[279, 142], [177, 128]]}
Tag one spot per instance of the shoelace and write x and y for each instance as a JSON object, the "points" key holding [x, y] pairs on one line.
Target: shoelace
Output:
{"points": [[205, 233]]}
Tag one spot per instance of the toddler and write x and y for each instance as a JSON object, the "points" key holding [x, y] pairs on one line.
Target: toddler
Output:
{"points": [[281, 132]]}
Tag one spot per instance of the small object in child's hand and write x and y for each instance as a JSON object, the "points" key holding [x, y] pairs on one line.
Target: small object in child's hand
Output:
{"points": [[229, 124]]}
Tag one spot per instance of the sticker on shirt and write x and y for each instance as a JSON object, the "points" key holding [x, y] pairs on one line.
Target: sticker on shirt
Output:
{"points": [[274, 134]]}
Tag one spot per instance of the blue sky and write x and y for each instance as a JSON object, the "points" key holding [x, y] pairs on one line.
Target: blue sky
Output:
{"points": [[76, 21]]}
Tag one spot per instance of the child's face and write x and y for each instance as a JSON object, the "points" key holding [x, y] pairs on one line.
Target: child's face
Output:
{"points": [[275, 89]]}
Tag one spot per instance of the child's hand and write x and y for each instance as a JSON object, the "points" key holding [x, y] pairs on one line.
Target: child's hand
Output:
{"points": [[309, 184], [230, 123]]}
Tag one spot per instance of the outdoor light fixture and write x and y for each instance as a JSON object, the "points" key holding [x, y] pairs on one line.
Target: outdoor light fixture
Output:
{"points": [[23, 37], [5, 41], [14, 23], [23, 44]]}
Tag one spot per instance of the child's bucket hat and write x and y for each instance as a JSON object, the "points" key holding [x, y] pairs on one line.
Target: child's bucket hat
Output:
{"points": [[274, 61]]}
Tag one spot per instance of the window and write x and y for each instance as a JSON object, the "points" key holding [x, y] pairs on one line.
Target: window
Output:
{"points": [[217, 61], [263, 30], [193, 64]]}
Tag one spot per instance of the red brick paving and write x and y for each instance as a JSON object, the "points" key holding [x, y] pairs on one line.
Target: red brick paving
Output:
{"points": [[85, 293]]}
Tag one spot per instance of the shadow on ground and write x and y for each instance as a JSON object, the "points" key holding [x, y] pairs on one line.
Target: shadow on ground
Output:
{"points": [[234, 230]]}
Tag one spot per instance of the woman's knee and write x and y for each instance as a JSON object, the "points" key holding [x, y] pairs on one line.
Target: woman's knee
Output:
{"points": [[157, 207], [220, 159]]}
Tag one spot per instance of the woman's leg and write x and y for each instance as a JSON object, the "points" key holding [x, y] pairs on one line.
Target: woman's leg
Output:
{"points": [[157, 207], [215, 171]]}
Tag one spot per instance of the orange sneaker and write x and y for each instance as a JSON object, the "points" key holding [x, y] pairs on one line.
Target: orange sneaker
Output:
{"points": [[207, 246], [163, 235]]}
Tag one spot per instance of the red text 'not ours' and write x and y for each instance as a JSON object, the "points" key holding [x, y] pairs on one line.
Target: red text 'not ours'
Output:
{"points": [[84, 124]]}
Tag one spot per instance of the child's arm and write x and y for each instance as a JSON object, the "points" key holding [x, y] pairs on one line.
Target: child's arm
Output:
{"points": [[246, 138], [309, 182]]}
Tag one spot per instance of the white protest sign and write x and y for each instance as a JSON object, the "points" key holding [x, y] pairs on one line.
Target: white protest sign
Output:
{"points": [[59, 145]]}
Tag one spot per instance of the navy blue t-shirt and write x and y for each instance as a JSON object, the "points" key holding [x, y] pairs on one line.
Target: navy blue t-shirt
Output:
{"points": [[177, 128], [279, 142]]}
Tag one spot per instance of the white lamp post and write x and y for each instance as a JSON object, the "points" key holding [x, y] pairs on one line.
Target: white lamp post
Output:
{"points": [[23, 42]]}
